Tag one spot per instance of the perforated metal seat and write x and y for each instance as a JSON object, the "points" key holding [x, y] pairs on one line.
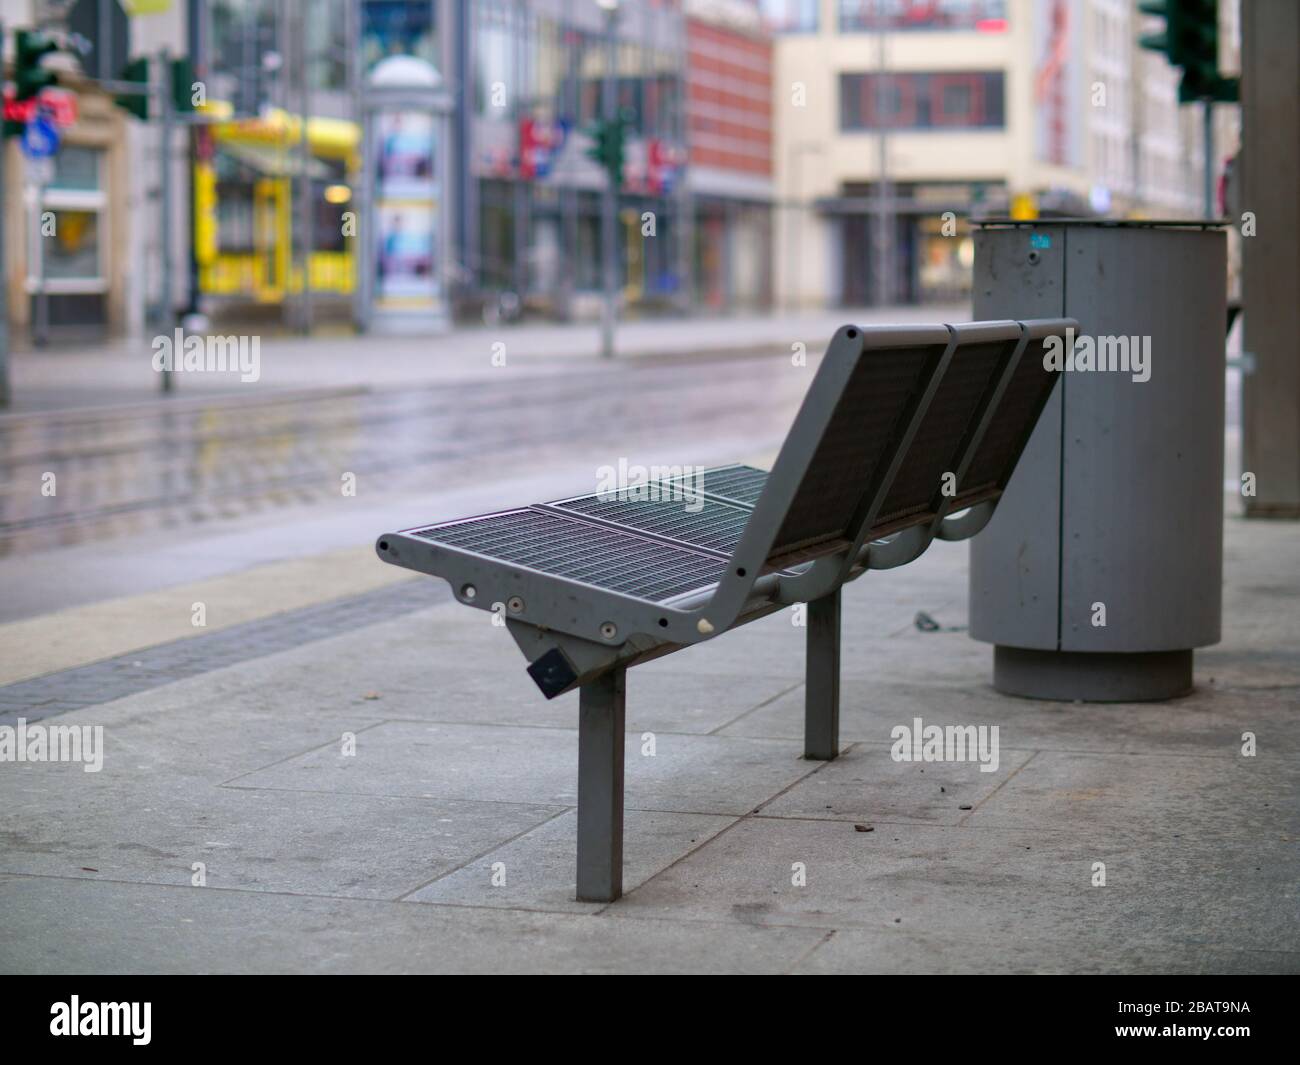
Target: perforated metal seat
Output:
{"points": [[579, 551]]}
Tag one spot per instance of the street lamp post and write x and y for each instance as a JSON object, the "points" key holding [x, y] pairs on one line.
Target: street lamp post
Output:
{"points": [[884, 237], [609, 200], [797, 215]]}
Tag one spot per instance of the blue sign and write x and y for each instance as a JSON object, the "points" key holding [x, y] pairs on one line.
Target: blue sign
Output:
{"points": [[40, 138]]}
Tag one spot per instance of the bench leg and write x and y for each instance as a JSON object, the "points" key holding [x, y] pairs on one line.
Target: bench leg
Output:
{"points": [[601, 712], [822, 687]]}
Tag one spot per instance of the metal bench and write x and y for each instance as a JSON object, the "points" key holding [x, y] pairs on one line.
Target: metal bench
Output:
{"points": [[594, 584]]}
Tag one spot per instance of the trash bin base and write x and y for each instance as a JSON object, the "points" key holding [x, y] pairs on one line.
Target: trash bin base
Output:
{"points": [[1106, 677]]}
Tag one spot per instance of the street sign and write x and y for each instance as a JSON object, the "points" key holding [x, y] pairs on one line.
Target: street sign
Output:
{"points": [[40, 138], [109, 34], [58, 104]]}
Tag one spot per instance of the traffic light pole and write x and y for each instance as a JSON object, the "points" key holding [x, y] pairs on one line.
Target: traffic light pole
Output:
{"points": [[194, 17], [609, 199], [41, 319], [165, 304], [1207, 121]]}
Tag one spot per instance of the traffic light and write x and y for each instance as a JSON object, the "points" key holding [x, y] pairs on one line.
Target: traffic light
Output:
{"points": [[182, 74], [1190, 40], [30, 47], [135, 103], [1199, 28], [608, 150], [1166, 41]]}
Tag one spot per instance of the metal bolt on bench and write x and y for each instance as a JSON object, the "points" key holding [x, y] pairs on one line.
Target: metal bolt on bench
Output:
{"points": [[598, 583]]}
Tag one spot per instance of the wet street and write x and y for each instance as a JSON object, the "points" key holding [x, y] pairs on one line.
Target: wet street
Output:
{"points": [[99, 502]]}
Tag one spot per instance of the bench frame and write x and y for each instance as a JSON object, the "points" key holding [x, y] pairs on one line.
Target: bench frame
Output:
{"points": [[579, 635]]}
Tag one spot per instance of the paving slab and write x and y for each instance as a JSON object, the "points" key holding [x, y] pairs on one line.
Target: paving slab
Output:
{"points": [[688, 774], [865, 785], [992, 887], [180, 731], [1210, 797], [534, 871], [70, 926], [155, 831]]}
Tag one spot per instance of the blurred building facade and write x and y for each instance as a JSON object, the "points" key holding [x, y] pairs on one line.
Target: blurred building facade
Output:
{"points": [[70, 225], [513, 221], [518, 220], [759, 134], [965, 108]]}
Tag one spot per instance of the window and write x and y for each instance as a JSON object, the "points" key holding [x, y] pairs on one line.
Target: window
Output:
{"points": [[948, 100], [986, 15], [72, 252], [398, 27], [67, 224], [790, 16]]}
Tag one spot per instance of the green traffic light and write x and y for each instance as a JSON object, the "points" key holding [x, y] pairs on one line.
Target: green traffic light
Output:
{"points": [[182, 86], [30, 47], [607, 148], [1190, 40], [1155, 42], [137, 70]]}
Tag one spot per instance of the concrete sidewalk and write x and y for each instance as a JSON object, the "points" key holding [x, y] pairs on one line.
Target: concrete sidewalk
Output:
{"points": [[384, 860]]}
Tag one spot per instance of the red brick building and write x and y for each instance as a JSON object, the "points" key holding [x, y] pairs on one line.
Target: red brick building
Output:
{"points": [[729, 134]]}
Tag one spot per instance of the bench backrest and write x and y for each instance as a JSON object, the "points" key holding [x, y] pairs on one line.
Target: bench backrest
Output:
{"points": [[982, 352], [889, 412], [1022, 401], [847, 430]]}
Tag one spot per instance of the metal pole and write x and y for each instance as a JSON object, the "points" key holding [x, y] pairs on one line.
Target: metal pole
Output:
{"points": [[195, 13], [609, 199], [685, 193], [104, 45], [884, 221], [41, 325], [794, 297], [602, 715], [307, 238], [1207, 125], [822, 690], [164, 312]]}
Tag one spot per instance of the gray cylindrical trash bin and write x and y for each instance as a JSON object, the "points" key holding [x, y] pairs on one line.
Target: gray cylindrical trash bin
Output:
{"points": [[1102, 567]]}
